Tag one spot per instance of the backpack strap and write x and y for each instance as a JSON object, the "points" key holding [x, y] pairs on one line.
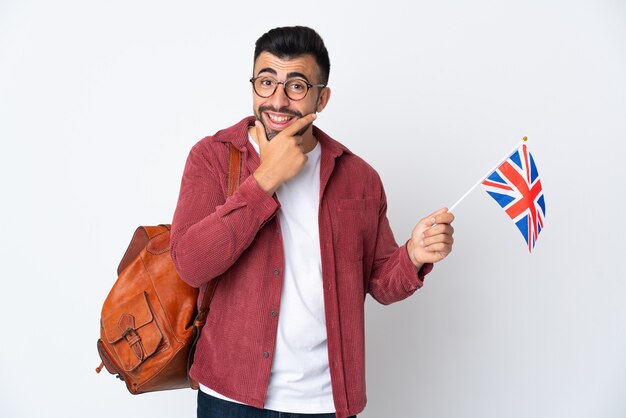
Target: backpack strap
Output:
{"points": [[234, 169], [234, 174]]}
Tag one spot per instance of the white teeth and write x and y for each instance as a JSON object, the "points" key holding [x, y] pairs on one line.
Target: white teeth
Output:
{"points": [[279, 119]]}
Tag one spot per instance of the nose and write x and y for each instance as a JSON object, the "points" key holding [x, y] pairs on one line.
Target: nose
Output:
{"points": [[279, 99]]}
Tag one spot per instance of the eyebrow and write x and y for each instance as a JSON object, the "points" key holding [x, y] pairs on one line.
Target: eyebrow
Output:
{"points": [[297, 75], [293, 74], [267, 70]]}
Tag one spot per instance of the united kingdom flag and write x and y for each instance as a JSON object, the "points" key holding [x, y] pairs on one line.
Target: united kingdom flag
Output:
{"points": [[516, 186]]}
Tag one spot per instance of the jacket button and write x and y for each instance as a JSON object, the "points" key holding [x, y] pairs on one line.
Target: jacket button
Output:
{"points": [[266, 354], [274, 314], [276, 272]]}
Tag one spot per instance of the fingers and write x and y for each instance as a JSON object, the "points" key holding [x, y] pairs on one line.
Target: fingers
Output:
{"points": [[438, 212], [439, 229], [441, 216], [297, 126], [435, 242], [260, 133], [438, 235], [438, 251], [431, 240]]}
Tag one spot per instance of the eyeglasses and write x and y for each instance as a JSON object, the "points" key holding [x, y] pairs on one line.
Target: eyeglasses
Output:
{"points": [[295, 88]]}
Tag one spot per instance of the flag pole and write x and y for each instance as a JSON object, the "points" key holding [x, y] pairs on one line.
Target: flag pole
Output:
{"points": [[487, 173]]}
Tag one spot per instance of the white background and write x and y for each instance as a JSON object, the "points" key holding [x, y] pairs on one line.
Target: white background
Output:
{"points": [[100, 103]]}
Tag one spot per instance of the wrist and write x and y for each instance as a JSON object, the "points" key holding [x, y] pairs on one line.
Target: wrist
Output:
{"points": [[266, 181], [410, 247]]}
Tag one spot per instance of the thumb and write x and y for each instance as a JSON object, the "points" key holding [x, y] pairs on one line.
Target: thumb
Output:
{"points": [[260, 133], [439, 211], [431, 217]]}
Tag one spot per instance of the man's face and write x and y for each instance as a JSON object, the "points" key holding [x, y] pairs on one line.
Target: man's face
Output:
{"points": [[278, 111]]}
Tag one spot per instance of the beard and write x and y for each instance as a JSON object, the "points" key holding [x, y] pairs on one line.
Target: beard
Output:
{"points": [[270, 133]]}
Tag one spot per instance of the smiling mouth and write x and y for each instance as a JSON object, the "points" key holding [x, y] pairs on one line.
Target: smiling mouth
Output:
{"points": [[279, 119]]}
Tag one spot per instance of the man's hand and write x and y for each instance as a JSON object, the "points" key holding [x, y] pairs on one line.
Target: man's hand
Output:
{"points": [[431, 239], [282, 158]]}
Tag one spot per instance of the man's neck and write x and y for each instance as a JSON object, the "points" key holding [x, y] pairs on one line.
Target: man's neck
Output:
{"points": [[308, 141]]}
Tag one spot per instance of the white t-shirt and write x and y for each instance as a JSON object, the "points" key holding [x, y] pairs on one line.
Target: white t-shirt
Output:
{"points": [[300, 378]]}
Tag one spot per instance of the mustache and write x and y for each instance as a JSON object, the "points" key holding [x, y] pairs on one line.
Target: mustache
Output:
{"points": [[281, 110]]}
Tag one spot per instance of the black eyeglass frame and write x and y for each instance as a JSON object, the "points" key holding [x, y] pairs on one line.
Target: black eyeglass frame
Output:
{"points": [[308, 87]]}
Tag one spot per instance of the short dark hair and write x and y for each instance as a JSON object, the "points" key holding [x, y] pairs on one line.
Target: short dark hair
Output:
{"points": [[291, 42]]}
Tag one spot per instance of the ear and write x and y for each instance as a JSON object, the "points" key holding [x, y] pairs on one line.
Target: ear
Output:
{"points": [[323, 99]]}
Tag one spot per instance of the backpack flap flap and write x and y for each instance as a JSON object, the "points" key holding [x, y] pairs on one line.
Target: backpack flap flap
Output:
{"points": [[137, 243], [132, 331], [140, 239]]}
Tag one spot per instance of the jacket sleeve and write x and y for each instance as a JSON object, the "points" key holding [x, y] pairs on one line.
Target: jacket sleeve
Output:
{"points": [[394, 277], [209, 231]]}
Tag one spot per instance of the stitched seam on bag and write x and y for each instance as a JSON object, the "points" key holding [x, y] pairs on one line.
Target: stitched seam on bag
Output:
{"points": [[156, 294]]}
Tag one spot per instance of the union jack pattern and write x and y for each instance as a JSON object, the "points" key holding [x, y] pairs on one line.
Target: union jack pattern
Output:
{"points": [[516, 186]]}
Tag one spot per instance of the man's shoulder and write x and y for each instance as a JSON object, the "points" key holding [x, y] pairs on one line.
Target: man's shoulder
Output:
{"points": [[211, 145], [345, 156], [358, 161], [211, 152], [236, 134]]}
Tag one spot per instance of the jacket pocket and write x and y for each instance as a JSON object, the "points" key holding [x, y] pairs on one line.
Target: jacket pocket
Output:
{"points": [[354, 223]]}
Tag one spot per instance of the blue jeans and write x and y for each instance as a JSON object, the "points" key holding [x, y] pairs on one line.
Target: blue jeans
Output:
{"points": [[212, 407]]}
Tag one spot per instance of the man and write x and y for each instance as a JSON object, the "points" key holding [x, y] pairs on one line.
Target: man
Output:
{"points": [[297, 247]]}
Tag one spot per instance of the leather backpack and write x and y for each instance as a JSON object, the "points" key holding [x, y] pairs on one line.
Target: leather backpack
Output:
{"points": [[150, 320]]}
